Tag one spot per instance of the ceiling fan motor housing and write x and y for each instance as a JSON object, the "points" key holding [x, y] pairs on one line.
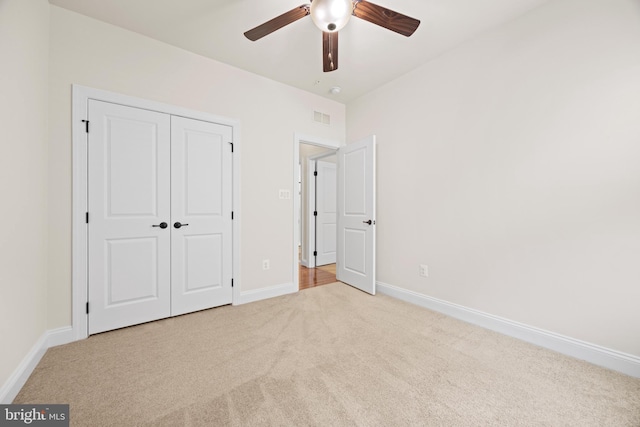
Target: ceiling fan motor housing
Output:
{"points": [[331, 15]]}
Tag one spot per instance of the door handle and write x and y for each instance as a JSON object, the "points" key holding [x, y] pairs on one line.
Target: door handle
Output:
{"points": [[178, 225], [367, 222], [161, 225]]}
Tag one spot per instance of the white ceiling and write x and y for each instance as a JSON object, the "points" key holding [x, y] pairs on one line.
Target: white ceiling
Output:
{"points": [[369, 56]]}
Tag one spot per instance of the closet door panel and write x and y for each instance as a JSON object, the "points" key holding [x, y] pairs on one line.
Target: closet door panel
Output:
{"points": [[129, 196], [201, 215]]}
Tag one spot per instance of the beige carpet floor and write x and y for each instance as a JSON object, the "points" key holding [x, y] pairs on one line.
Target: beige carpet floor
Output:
{"points": [[326, 356]]}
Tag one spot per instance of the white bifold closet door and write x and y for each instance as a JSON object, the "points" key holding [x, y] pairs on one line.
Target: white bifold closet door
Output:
{"points": [[159, 192]]}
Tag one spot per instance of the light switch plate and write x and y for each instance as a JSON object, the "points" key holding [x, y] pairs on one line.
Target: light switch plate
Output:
{"points": [[285, 194]]}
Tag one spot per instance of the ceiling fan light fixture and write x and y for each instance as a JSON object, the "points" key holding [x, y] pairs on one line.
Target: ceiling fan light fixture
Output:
{"points": [[331, 15]]}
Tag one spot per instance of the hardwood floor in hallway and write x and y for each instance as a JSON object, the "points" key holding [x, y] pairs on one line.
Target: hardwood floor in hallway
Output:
{"points": [[311, 277]]}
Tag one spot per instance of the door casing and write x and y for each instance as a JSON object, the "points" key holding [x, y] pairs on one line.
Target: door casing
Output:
{"points": [[80, 98]]}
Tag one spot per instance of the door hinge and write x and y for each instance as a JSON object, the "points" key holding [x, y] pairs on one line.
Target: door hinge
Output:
{"points": [[315, 213], [315, 253], [86, 125], [315, 173], [231, 143], [87, 307], [86, 217], [232, 283]]}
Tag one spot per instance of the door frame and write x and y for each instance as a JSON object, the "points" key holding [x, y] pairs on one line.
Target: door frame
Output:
{"points": [[79, 234], [299, 138]]}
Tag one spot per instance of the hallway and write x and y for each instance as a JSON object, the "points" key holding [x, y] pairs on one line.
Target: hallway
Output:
{"points": [[311, 277]]}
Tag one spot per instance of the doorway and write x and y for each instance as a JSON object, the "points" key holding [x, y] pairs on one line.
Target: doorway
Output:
{"points": [[317, 188], [356, 211], [306, 273]]}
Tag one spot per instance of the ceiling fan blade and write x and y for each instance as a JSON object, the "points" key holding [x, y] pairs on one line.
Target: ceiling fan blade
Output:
{"points": [[329, 51], [384, 17], [278, 22]]}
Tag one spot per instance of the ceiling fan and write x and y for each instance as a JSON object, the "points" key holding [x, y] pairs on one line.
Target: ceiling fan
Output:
{"points": [[331, 16]]}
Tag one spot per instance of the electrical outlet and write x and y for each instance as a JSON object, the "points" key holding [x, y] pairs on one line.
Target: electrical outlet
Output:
{"points": [[266, 264], [424, 270]]}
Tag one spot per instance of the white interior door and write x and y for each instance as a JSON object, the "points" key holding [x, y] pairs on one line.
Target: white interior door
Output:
{"points": [[326, 232], [128, 199], [201, 227], [356, 215]]}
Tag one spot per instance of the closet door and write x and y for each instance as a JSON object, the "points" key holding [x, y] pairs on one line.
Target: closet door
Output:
{"points": [[201, 227], [326, 232], [128, 201]]}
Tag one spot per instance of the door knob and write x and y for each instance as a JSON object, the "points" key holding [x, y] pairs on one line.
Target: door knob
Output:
{"points": [[178, 225], [367, 222], [161, 225]]}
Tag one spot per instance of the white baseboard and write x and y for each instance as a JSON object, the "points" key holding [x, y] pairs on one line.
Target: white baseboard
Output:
{"points": [[14, 383], [264, 293], [60, 336], [626, 363]]}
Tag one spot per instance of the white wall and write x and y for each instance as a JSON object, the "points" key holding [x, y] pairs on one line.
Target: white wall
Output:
{"points": [[87, 52], [511, 167], [24, 32]]}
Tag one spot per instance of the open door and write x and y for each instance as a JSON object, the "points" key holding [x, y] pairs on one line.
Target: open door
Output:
{"points": [[356, 215]]}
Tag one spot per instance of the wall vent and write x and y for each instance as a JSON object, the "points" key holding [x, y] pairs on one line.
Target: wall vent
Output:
{"points": [[319, 117]]}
